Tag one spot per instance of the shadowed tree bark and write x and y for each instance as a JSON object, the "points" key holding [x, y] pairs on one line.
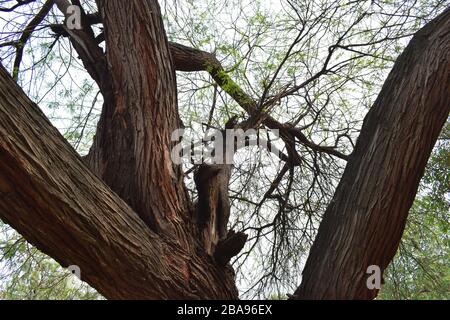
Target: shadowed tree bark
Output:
{"points": [[123, 214]]}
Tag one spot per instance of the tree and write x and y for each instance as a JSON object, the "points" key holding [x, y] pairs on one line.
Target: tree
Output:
{"points": [[124, 208]]}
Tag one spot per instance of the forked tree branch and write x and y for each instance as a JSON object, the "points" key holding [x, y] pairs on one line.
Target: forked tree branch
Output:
{"points": [[85, 44], [189, 59], [51, 198]]}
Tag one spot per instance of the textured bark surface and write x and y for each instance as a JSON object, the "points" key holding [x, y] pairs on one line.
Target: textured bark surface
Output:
{"points": [[131, 151], [364, 223], [50, 197], [213, 208], [123, 215]]}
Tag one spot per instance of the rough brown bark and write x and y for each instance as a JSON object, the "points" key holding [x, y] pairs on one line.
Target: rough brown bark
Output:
{"points": [[131, 154], [132, 147], [364, 222], [50, 197]]}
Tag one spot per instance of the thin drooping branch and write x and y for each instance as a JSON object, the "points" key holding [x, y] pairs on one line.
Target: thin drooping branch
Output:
{"points": [[364, 222], [49, 196], [26, 34]]}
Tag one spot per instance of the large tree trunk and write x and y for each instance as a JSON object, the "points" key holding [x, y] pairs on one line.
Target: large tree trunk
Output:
{"points": [[364, 222], [127, 221], [132, 147], [131, 154], [50, 197]]}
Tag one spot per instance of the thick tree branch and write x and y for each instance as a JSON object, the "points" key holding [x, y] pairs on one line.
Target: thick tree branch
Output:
{"points": [[50, 197], [132, 146], [190, 59], [85, 44]]}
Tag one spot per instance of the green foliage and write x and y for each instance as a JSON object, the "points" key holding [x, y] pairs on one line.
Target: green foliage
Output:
{"points": [[27, 273], [421, 269]]}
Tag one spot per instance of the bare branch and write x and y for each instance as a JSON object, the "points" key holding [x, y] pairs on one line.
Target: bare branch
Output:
{"points": [[18, 4], [190, 59], [20, 45]]}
